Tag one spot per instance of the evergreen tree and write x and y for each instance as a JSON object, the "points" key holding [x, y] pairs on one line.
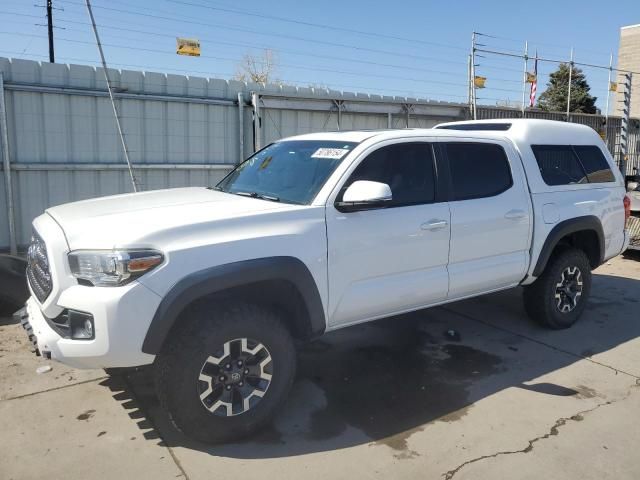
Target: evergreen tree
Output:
{"points": [[554, 98]]}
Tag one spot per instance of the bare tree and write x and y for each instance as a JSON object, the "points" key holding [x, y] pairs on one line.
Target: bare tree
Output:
{"points": [[259, 69]]}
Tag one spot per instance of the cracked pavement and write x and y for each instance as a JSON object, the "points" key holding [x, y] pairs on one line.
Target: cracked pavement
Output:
{"points": [[399, 398], [553, 432]]}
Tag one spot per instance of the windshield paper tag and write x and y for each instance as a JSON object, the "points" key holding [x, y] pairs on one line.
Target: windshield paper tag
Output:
{"points": [[331, 153]]}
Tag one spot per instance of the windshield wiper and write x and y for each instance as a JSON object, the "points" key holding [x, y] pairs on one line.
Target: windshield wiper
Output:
{"points": [[261, 196]]}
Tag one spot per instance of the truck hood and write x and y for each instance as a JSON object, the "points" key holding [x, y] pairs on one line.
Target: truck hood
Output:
{"points": [[136, 219]]}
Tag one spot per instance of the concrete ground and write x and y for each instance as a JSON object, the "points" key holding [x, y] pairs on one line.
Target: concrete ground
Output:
{"points": [[400, 398]]}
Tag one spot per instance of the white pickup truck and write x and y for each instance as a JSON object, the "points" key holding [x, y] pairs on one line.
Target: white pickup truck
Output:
{"points": [[315, 233]]}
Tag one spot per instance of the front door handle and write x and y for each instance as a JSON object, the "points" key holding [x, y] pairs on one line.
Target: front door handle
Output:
{"points": [[434, 225], [515, 214]]}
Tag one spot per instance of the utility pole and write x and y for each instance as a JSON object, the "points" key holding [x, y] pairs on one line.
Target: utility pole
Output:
{"points": [[52, 57]]}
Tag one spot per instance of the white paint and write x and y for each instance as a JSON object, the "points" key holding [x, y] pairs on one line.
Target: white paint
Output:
{"points": [[366, 264]]}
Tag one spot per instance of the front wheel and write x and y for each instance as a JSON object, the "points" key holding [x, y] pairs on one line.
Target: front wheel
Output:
{"points": [[558, 297], [226, 372]]}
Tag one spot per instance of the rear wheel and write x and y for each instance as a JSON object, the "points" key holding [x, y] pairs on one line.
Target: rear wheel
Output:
{"points": [[558, 297], [226, 372]]}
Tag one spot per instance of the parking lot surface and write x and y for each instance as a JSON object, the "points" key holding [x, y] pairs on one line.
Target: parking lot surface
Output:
{"points": [[466, 391]]}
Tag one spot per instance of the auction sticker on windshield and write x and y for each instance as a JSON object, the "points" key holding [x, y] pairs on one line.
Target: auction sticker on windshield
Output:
{"points": [[331, 153]]}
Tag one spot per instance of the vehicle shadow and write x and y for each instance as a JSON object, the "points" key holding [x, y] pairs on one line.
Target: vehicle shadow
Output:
{"points": [[383, 381], [6, 315]]}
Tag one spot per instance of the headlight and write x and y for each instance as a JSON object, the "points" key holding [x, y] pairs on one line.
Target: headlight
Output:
{"points": [[111, 268]]}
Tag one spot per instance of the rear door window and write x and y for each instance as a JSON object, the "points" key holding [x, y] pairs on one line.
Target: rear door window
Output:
{"points": [[559, 164], [477, 170]]}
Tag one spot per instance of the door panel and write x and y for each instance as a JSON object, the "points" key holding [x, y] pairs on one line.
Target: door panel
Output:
{"points": [[490, 235], [382, 261], [386, 260]]}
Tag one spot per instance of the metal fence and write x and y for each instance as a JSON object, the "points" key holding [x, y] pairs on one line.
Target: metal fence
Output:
{"points": [[62, 141]]}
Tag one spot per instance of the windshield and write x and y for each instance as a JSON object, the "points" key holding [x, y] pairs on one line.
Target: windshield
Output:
{"points": [[290, 171]]}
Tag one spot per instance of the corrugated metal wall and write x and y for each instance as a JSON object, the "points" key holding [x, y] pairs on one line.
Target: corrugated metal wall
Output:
{"points": [[63, 143], [54, 136]]}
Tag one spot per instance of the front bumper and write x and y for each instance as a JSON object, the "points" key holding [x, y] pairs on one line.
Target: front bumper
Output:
{"points": [[121, 319]]}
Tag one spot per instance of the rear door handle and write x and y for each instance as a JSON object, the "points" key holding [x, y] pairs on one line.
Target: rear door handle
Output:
{"points": [[434, 225], [515, 214]]}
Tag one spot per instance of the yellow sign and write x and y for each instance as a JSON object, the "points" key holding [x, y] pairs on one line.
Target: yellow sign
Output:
{"points": [[613, 87], [188, 46], [479, 81], [531, 77]]}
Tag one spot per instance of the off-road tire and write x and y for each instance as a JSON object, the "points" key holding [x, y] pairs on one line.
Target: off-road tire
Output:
{"points": [[540, 300], [202, 332]]}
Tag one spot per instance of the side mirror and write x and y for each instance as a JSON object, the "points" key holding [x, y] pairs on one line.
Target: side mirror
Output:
{"points": [[364, 195]]}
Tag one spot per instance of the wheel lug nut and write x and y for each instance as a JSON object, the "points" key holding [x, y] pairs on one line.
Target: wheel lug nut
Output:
{"points": [[222, 378], [227, 366], [239, 363], [246, 372], [228, 387], [240, 384]]}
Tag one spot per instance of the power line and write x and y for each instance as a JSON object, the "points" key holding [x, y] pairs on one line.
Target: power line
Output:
{"points": [[303, 66], [181, 19], [250, 45], [558, 46], [317, 25], [188, 20], [233, 59], [554, 60]]}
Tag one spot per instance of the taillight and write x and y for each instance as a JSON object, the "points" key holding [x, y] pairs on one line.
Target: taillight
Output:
{"points": [[627, 208]]}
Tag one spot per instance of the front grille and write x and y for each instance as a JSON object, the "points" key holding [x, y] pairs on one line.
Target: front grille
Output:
{"points": [[38, 273]]}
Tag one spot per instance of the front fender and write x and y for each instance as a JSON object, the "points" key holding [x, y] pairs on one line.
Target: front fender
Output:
{"points": [[223, 277]]}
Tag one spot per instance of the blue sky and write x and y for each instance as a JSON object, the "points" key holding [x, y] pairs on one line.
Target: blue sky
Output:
{"points": [[412, 48]]}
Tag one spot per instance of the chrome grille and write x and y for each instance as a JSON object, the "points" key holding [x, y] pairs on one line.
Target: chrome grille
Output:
{"points": [[38, 273]]}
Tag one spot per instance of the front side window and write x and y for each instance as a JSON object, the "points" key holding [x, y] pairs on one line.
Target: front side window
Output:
{"points": [[477, 170], [291, 171], [407, 168]]}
